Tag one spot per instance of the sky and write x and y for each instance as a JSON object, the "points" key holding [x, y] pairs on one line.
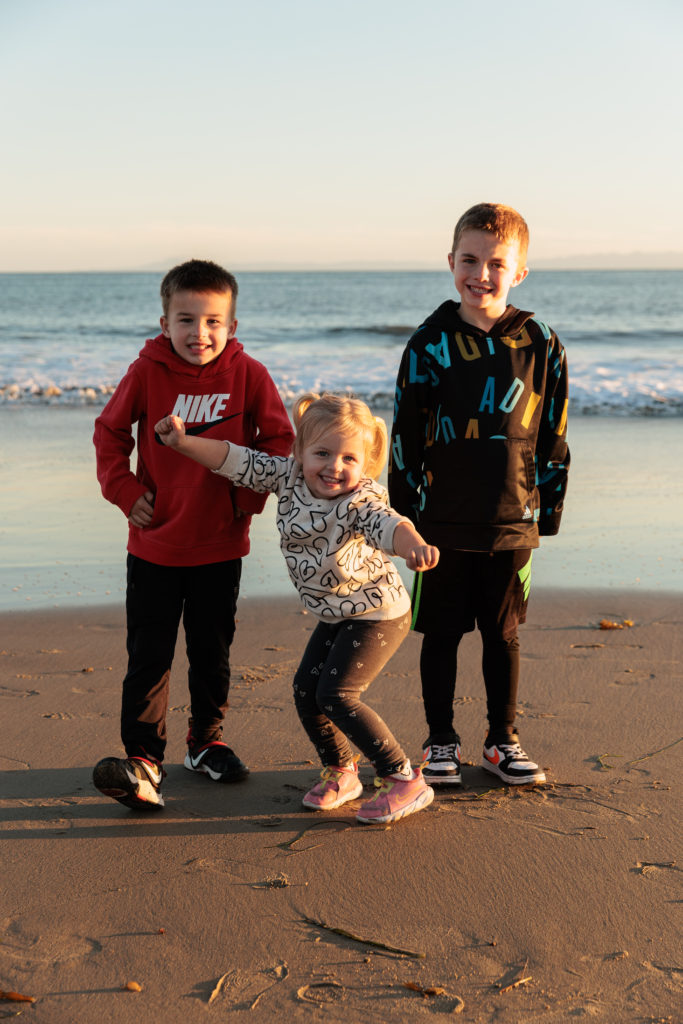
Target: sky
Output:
{"points": [[313, 134]]}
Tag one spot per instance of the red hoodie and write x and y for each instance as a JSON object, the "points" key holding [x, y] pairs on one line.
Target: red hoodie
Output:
{"points": [[232, 398]]}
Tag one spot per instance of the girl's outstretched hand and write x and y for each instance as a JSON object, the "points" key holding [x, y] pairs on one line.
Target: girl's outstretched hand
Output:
{"points": [[408, 543], [422, 557], [207, 451], [171, 431]]}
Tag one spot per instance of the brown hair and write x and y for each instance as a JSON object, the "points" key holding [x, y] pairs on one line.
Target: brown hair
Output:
{"points": [[198, 276], [314, 414], [502, 221]]}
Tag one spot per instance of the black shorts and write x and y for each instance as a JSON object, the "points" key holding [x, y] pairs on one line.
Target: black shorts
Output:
{"points": [[468, 588]]}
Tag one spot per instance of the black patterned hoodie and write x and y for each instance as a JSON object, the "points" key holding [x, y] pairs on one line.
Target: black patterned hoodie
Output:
{"points": [[479, 456]]}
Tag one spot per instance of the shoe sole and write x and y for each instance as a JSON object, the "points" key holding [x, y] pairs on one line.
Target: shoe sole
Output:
{"points": [[236, 775], [310, 806], [442, 778], [512, 780], [421, 801], [112, 780]]}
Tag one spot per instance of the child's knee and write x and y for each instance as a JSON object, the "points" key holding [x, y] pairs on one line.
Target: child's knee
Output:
{"points": [[500, 636], [335, 704]]}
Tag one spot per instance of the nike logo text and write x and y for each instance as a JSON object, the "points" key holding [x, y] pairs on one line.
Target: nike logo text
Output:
{"points": [[199, 408]]}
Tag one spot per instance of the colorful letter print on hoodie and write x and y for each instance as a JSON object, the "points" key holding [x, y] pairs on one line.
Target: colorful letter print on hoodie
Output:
{"points": [[232, 398], [479, 457]]}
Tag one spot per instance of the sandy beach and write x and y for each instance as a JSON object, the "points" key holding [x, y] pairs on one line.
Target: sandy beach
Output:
{"points": [[551, 903]]}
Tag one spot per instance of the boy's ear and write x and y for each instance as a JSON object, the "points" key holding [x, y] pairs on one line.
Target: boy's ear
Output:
{"points": [[519, 276], [164, 327], [451, 262]]}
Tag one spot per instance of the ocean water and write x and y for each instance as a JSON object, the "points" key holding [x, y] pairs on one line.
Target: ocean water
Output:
{"points": [[67, 339]]}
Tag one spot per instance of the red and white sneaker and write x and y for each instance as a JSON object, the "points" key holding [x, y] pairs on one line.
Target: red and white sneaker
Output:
{"points": [[396, 797], [441, 760], [338, 784], [511, 764], [134, 781]]}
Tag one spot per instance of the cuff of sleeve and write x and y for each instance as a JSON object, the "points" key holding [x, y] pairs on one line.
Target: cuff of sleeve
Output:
{"points": [[251, 502], [232, 461], [129, 494], [389, 534], [548, 526]]}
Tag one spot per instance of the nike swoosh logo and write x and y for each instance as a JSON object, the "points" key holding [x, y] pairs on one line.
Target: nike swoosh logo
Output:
{"points": [[153, 773], [495, 759], [200, 428], [399, 796]]}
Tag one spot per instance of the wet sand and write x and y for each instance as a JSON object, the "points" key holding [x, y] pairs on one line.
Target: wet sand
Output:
{"points": [[63, 545], [550, 903]]}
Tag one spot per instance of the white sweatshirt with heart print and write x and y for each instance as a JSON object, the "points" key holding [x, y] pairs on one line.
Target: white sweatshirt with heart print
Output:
{"points": [[335, 549]]}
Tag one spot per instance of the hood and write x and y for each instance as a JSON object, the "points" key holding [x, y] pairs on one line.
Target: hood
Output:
{"points": [[447, 318], [159, 350]]}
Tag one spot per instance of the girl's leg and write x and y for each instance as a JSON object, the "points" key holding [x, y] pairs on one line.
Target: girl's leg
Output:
{"points": [[359, 651], [331, 744]]}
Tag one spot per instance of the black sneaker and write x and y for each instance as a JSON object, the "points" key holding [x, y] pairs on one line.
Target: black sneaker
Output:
{"points": [[215, 759], [510, 763], [441, 761], [133, 781]]}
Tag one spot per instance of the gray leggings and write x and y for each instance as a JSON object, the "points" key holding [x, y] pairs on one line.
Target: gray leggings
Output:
{"points": [[340, 661]]}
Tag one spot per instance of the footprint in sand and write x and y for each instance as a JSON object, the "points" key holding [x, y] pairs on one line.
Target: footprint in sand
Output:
{"points": [[23, 943]]}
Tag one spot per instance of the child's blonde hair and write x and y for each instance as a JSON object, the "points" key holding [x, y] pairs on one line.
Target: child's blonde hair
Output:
{"points": [[314, 414]]}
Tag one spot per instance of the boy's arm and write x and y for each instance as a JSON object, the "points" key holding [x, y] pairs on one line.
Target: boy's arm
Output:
{"points": [[407, 435], [552, 453], [113, 440], [274, 434]]}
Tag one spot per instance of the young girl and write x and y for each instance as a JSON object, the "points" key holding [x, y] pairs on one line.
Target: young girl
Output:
{"points": [[335, 527]]}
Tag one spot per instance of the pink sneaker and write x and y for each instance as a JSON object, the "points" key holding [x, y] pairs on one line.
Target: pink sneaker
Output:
{"points": [[396, 798], [337, 786]]}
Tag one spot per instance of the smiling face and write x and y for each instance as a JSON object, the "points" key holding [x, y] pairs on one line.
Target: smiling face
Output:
{"points": [[484, 269], [199, 325], [333, 463]]}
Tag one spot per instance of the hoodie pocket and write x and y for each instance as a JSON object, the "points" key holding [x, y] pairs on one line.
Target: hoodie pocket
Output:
{"points": [[192, 518], [482, 481]]}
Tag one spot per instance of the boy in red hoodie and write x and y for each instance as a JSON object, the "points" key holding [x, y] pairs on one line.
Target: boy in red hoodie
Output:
{"points": [[185, 541]]}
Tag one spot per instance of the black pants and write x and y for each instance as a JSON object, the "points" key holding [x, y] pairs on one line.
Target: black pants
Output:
{"points": [[156, 598], [467, 588], [340, 661]]}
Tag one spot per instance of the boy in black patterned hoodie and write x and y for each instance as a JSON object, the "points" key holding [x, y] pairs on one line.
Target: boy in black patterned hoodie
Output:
{"points": [[479, 462]]}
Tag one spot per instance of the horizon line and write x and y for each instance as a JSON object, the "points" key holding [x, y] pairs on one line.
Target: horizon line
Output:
{"points": [[551, 266]]}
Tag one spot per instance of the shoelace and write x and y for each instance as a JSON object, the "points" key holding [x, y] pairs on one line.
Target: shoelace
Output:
{"points": [[443, 751], [514, 751], [384, 787]]}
